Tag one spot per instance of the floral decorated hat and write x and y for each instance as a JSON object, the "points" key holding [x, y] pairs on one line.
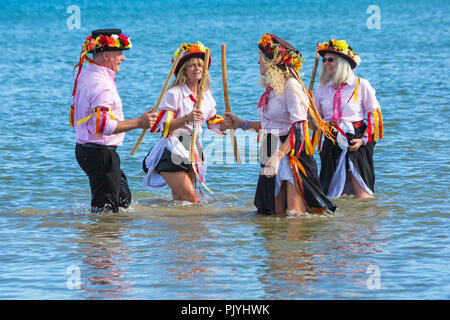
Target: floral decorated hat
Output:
{"points": [[341, 48], [190, 50], [106, 40], [280, 51]]}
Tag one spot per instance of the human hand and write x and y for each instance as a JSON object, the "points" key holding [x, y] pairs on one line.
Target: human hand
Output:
{"points": [[194, 116], [233, 121], [147, 120], [271, 168], [355, 144]]}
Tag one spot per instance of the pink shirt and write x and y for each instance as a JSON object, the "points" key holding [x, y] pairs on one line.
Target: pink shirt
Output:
{"points": [[285, 109], [96, 87], [351, 110], [178, 99]]}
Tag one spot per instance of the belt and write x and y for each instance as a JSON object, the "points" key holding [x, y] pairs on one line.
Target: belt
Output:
{"points": [[358, 124], [96, 146]]}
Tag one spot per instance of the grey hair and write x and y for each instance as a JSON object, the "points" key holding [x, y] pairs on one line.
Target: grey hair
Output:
{"points": [[343, 72]]}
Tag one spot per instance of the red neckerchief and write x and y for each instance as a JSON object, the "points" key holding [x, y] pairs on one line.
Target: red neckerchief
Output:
{"points": [[264, 98]]}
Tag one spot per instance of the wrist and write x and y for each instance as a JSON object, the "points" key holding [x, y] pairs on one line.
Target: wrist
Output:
{"points": [[280, 153], [364, 139], [245, 125]]}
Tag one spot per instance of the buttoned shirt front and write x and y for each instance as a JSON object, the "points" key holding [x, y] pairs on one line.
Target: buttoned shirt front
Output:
{"points": [[352, 110], [96, 87], [179, 99], [282, 110]]}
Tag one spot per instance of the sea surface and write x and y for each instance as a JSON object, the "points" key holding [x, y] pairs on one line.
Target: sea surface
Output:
{"points": [[395, 246]]}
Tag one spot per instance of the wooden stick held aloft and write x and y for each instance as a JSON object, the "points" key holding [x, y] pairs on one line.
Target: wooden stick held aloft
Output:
{"points": [[313, 75], [161, 95], [199, 102], [227, 103]]}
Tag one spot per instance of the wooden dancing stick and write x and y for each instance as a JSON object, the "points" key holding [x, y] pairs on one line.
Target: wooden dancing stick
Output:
{"points": [[313, 75], [227, 103], [161, 95], [311, 86], [199, 103]]}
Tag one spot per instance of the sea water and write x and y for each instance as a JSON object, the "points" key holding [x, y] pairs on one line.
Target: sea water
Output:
{"points": [[394, 246]]}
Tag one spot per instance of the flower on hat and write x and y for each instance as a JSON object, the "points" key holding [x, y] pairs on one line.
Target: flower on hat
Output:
{"points": [[190, 48], [340, 46], [266, 39], [121, 41]]}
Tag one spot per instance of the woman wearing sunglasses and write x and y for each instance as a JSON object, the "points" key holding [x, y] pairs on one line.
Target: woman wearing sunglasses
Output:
{"points": [[289, 182], [349, 106]]}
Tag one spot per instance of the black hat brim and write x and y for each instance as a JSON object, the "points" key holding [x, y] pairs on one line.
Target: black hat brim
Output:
{"points": [[350, 60], [104, 49], [189, 56]]}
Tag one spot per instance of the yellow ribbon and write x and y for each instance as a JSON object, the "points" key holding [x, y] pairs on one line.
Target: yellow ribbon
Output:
{"points": [[168, 121]]}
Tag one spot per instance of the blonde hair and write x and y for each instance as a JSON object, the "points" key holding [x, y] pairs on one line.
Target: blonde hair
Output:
{"points": [[181, 78], [274, 76], [343, 72]]}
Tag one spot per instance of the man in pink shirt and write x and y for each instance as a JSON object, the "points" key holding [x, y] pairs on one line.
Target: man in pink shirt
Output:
{"points": [[96, 113]]}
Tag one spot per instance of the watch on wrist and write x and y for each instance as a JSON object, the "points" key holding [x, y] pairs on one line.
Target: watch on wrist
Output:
{"points": [[364, 139]]}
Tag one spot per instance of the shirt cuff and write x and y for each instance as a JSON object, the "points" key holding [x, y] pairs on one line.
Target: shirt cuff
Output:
{"points": [[110, 127]]}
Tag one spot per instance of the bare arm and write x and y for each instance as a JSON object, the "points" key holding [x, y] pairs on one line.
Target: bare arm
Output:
{"points": [[145, 121]]}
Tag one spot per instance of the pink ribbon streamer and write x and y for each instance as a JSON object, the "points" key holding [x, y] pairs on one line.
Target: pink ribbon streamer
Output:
{"points": [[337, 104]]}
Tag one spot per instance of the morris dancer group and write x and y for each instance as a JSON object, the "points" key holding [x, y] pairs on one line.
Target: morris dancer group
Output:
{"points": [[289, 183]]}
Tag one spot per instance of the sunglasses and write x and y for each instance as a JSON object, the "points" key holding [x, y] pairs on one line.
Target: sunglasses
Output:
{"points": [[329, 59]]}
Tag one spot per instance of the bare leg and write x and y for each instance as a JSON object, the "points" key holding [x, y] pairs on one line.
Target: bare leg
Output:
{"points": [[280, 200], [182, 185], [359, 192], [295, 200]]}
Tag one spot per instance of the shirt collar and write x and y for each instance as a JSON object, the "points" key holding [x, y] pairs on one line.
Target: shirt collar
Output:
{"points": [[102, 70], [186, 91]]}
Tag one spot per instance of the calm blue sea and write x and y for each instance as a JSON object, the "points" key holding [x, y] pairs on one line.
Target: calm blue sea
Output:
{"points": [[395, 246]]}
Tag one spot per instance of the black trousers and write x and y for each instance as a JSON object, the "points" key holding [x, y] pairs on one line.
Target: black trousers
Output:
{"points": [[109, 186]]}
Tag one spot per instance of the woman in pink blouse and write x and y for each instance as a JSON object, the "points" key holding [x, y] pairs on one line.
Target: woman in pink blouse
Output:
{"points": [[344, 101], [288, 183], [168, 161]]}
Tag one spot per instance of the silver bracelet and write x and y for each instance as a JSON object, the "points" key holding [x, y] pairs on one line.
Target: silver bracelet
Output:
{"points": [[364, 139], [244, 127]]}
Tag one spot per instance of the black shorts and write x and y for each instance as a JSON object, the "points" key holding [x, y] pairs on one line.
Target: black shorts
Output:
{"points": [[170, 162]]}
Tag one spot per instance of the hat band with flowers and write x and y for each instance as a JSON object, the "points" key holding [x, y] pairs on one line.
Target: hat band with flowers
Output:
{"points": [[190, 50], [280, 51], [106, 40], [341, 48]]}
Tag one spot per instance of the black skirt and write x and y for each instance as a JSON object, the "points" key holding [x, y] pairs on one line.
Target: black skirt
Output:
{"points": [[167, 163], [313, 195], [362, 160]]}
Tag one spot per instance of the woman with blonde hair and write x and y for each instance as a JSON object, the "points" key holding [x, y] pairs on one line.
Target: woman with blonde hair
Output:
{"points": [[344, 101], [168, 161], [288, 183]]}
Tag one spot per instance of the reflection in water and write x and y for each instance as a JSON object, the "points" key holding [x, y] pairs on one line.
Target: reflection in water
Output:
{"points": [[302, 252], [105, 259], [186, 258]]}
